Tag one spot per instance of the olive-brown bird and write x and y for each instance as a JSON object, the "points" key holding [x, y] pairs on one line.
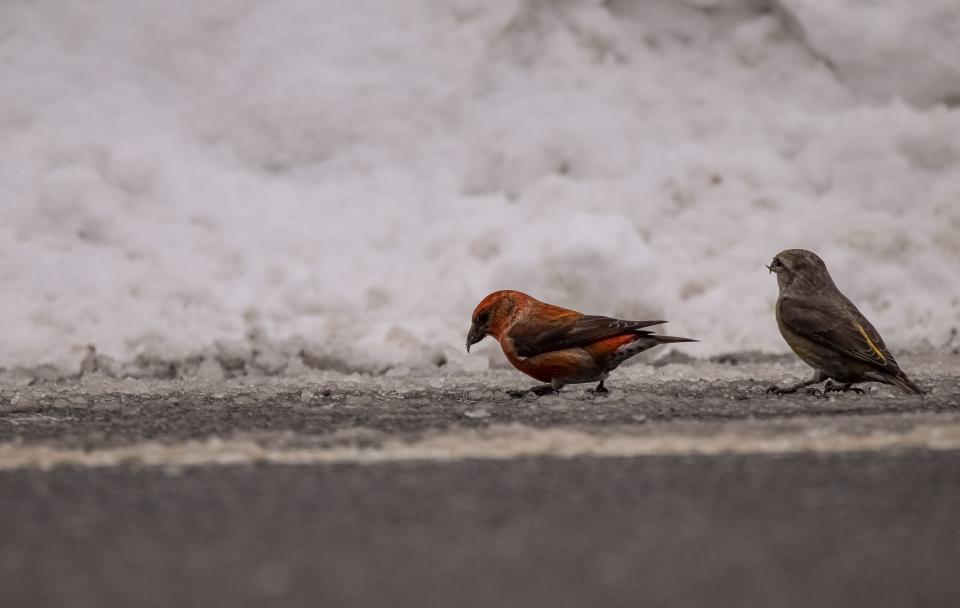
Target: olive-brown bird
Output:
{"points": [[557, 345], [827, 331]]}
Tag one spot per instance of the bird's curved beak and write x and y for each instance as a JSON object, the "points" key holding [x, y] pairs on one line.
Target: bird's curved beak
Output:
{"points": [[767, 266], [475, 335]]}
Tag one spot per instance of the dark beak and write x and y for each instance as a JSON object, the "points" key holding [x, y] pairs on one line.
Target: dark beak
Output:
{"points": [[475, 335], [768, 267]]}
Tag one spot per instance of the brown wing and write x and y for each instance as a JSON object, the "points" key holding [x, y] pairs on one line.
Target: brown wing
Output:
{"points": [[842, 328], [534, 337]]}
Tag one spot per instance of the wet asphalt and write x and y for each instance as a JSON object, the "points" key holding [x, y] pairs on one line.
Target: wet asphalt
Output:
{"points": [[830, 529]]}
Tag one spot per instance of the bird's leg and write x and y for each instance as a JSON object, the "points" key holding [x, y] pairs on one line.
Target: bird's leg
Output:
{"points": [[830, 387], [601, 389], [818, 377]]}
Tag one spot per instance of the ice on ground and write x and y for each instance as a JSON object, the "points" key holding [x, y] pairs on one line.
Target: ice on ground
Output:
{"points": [[703, 378], [347, 179]]}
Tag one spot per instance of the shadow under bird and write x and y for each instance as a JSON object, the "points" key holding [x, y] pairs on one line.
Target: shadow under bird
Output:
{"points": [[557, 345], [827, 331]]}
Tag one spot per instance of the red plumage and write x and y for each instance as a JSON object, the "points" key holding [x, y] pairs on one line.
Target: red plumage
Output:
{"points": [[557, 345]]}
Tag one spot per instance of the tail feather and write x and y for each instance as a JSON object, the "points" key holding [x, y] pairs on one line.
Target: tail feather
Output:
{"points": [[906, 385], [668, 339]]}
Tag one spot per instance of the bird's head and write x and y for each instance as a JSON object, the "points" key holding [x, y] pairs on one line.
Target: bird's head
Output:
{"points": [[799, 266], [493, 314]]}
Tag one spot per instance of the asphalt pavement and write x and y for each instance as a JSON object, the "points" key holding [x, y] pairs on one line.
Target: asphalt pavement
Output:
{"points": [[346, 491]]}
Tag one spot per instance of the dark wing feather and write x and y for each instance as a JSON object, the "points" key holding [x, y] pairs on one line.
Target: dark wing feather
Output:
{"points": [[842, 328], [535, 337]]}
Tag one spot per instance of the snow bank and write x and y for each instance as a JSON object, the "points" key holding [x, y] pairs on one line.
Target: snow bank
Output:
{"points": [[350, 177], [886, 49]]}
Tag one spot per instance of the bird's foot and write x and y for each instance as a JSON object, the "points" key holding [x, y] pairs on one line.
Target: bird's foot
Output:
{"points": [[539, 391], [600, 389], [792, 388], [781, 390], [830, 387]]}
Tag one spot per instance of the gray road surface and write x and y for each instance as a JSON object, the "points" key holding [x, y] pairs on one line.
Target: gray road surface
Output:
{"points": [[673, 493]]}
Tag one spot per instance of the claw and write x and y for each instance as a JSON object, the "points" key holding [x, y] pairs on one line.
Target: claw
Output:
{"points": [[842, 388], [780, 390]]}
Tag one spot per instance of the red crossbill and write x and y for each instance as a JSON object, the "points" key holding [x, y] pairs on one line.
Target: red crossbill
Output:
{"points": [[826, 330], [557, 345]]}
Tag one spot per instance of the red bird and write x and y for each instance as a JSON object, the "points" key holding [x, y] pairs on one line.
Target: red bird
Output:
{"points": [[557, 345]]}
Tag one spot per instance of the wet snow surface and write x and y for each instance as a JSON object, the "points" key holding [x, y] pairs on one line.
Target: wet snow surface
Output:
{"points": [[96, 411]]}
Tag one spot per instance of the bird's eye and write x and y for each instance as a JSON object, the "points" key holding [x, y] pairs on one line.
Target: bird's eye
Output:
{"points": [[483, 317]]}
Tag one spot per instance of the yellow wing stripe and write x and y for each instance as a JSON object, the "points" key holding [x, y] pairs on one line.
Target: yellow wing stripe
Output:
{"points": [[873, 346]]}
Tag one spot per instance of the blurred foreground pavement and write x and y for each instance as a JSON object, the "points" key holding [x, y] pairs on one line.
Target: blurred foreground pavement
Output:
{"points": [[687, 485]]}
